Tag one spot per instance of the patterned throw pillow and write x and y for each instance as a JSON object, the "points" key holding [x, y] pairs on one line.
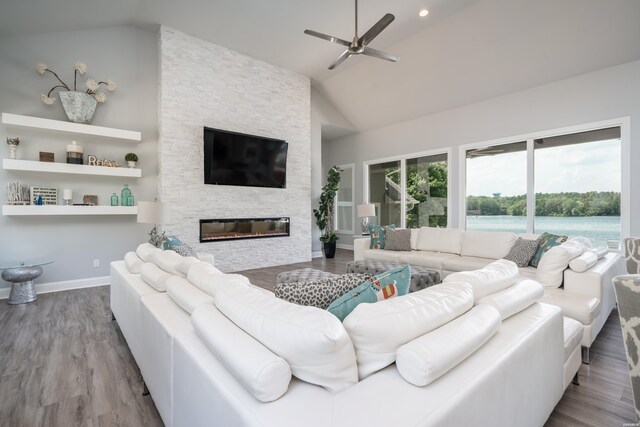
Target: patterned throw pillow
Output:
{"points": [[545, 242], [522, 251], [397, 240], [377, 235], [176, 245], [320, 293], [382, 286]]}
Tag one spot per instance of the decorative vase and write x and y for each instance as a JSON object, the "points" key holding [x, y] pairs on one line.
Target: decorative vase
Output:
{"points": [[329, 249], [131, 164], [124, 195], [78, 105]]}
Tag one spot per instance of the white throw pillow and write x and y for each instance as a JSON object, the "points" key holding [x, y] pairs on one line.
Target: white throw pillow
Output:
{"points": [[186, 295], [208, 279], [133, 262], [378, 330], [448, 240], [265, 375], [584, 262], [167, 260], [183, 267], [146, 250], [484, 244], [154, 276], [415, 234], [514, 299], [427, 358], [553, 263], [493, 278], [313, 341]]}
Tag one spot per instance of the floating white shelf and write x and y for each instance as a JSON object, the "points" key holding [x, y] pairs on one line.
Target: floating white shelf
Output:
{"points": [[14, 210], [50, 167], [69, 127]]}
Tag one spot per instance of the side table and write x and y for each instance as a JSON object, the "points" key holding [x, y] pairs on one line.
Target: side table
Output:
{"points": [[21, 276]]}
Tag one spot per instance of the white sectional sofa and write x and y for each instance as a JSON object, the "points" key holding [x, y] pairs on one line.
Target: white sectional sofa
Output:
{"points": [[215, 350], [587, 296]]}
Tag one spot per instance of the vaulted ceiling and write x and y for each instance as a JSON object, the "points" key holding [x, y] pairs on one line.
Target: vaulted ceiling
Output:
{"points": [[464, 51]]}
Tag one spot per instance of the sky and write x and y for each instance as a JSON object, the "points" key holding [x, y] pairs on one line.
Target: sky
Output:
{"points": [[593, 166]]}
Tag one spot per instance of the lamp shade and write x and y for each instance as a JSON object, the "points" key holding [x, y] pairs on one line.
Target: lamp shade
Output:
{"points": [[152, 212], [366, 211]]}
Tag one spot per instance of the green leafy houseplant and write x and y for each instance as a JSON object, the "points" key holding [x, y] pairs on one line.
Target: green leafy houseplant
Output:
{"points": [[131, 157], [324, 213]]}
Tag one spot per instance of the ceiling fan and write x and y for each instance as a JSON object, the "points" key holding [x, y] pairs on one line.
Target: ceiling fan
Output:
{"points": [[359, 45]]}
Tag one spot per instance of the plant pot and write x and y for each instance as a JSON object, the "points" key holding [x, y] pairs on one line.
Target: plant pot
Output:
{"points": [[131, 164], [78, 105], [329, 249]]}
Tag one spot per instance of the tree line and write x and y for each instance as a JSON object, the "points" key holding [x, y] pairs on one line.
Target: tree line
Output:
{"points": [[591, 203]]}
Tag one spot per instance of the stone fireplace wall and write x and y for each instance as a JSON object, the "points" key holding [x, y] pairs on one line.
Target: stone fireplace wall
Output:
{"points": [[203, 84]]}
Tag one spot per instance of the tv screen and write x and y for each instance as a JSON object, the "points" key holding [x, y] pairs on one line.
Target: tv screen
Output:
{"points": [[232, 158]]}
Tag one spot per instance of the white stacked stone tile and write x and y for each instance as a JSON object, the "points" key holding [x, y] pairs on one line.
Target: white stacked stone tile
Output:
{"points": [[203, 84]]}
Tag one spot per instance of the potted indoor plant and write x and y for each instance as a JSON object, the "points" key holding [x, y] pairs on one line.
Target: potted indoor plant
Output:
{"points": [[79, 105], [131, 159], [324, 213]]}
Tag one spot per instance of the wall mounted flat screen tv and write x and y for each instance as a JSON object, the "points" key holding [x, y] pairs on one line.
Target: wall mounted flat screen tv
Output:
{"points": [[232, 158]]}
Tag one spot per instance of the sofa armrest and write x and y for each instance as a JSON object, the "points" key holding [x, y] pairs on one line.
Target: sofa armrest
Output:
{"points": [[206, 257], [359, 246], [597, 279]]}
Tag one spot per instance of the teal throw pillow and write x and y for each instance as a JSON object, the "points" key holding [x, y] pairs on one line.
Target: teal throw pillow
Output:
{"points": [[170, 242], [385, 285], [377, 235], [545, 242]]}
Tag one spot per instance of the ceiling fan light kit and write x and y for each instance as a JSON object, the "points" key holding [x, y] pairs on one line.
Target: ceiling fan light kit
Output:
{"points": [[359, 45]]}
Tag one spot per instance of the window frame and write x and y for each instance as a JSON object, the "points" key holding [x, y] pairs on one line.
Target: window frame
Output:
{"points": [[403, 179], [625, 164], [351, 204]]}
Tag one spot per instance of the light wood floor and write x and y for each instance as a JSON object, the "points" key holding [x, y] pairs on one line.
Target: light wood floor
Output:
{"points": [[63, 362]]}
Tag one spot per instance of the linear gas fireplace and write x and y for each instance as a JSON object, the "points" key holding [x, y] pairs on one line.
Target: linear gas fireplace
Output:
{"points": [[216, 230]]}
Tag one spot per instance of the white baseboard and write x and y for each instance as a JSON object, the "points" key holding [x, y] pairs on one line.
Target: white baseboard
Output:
{"points": [[45, 288], [317, 254], [341, 246]]}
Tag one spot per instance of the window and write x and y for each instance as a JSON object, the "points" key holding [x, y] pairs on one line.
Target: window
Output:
{"points": [[569, 183], [344, 201], [411, 191]]}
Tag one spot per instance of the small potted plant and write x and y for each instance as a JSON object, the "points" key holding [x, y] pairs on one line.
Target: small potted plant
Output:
{"points": [[131, 159], [324, 213]]}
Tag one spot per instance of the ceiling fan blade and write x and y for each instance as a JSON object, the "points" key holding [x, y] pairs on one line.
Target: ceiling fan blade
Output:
{"points": [[376, 29], [327, 37], [379, 54], [340, 59]]}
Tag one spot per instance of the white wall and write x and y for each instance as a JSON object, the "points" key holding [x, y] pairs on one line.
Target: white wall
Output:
{"points": [[129, 57], [203, 84], [605, 94]]}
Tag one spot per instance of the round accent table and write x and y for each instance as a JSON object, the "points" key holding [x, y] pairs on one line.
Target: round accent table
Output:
{"points": [[21, 276]]}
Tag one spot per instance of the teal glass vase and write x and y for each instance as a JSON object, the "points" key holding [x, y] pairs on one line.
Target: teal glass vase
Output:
{"points": [[124, 195], [114, 200]]}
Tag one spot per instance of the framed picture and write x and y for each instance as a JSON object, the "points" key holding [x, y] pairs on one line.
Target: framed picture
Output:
{"points": [[90, 199]]}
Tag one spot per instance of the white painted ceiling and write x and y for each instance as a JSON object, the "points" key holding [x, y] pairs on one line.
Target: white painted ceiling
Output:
{"points": [[465, 50]]}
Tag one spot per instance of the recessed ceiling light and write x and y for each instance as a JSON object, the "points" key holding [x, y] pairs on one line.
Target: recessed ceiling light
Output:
{"points": [[423, 13]]}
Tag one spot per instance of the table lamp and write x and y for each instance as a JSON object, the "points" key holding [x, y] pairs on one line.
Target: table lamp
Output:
{"points": [[153, 213], [364, 212]]}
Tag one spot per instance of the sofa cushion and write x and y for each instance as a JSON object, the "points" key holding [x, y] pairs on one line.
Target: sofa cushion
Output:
{"points": [[187, 296], [483, 244], [208, 279], [133, 262], [167, 260], [573, 332], [319, 293], [146, 250], [493, 278], [545, 242], [580, 307], [185, 264], [382, 255], [415, 233], [397, 240], [426, 259], [515, 298], [522, 251], [380, 287], [313, 341], [465, 263], [154, 276], [432, 355], [555, 261], [584, 262], [434, 239], [377, 233], [378, 330], [265, 375]]}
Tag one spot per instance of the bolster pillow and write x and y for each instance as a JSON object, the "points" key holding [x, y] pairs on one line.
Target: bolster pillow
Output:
{"points": [[514, 299], [133, 262], [493, 278], [146, 250], [154, 276], [209, 279], [186, 295], [264, 375], [584, 262], [425, 359]]}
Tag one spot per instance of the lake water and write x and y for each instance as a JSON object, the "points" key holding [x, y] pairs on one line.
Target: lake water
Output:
{"points": [[597, 228]]}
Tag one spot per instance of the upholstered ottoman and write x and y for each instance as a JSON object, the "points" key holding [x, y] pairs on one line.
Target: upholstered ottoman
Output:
{"points": [[421, 277], [304, 275]]}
